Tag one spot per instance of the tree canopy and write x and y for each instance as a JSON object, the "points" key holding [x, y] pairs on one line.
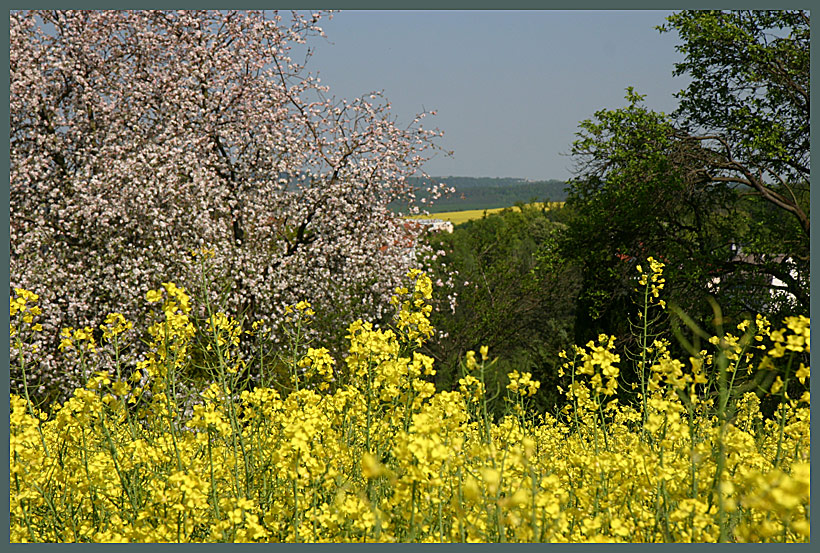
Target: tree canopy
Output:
{"points": [[749, 98], [719, 189], [140, 136], [748, 106]]}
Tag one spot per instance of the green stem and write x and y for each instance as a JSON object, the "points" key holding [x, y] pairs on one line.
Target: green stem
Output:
{"points": [[29, 406], [781, 430], [294, 489], [721, 453], [214, 496], [412, 532], [644, 339]]}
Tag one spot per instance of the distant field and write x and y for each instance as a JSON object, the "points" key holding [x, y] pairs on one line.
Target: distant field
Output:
{"points": [[484, 193], [457, 217]]}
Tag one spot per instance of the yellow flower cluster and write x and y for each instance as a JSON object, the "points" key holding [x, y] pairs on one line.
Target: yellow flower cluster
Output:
{"points": [[319, 364], [114, 325], [797, 340], [522, 384], [382, 456], [19, 306], [413, 317], [81, 338], [302, 311], [653, 280], [598, 362], [171, 337]]}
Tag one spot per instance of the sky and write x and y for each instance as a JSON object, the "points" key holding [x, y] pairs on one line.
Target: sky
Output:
{"points": [[509, 87]]}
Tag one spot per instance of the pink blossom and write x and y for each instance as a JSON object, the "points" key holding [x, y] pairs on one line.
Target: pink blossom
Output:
{"points": [[137, 136]]}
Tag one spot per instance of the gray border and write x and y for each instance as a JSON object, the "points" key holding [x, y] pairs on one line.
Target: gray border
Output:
{"points": [[425, 5]]}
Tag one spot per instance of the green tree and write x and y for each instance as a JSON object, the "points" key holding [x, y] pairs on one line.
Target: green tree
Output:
{"points": [[633, 197], [748, 106], [749, 97], [719, 189], [503, 286]]}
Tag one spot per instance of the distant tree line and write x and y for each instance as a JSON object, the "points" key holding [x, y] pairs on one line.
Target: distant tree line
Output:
{"points": [[486, 192]]}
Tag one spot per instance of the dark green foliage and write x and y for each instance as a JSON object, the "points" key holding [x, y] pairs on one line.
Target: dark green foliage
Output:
{"points": [[719, 191], [750, 84], [632, 200], [748, 104], [513, 294], [750, 89]]}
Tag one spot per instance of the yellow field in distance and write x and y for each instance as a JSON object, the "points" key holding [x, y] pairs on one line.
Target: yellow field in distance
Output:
{"points": [[457, 217]]}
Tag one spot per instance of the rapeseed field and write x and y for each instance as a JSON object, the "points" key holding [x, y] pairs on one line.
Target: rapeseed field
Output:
{"points": [[366, 450]]}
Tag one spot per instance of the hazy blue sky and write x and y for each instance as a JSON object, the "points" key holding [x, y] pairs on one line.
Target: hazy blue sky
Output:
{"points": [[510, 87]]}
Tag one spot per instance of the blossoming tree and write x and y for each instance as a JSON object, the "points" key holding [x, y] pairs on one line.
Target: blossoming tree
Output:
{"points": [[138, 136]]}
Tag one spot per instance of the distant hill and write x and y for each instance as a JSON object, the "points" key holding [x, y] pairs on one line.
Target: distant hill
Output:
{"points": [[490, 192]]}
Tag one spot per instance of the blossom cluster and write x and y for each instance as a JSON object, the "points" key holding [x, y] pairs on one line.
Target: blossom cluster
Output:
{"points": [[137, 137]]}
